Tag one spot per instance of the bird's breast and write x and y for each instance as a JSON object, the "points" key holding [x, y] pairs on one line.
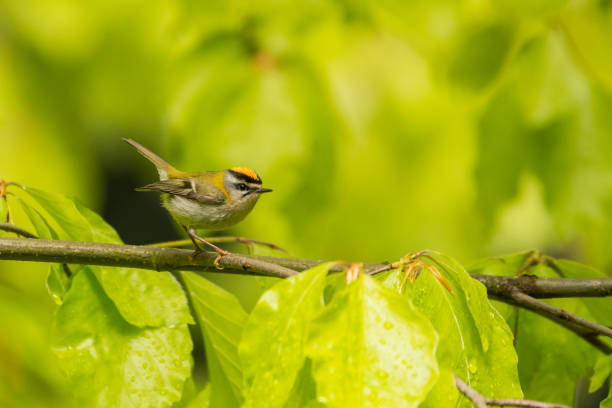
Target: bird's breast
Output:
{"points": [[206, 216]]}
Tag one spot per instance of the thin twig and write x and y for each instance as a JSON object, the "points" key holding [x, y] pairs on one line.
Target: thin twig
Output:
{"points": [[217, 240], [477, 399], [561, 315], [584, 328], [5, 226], [481, 401]]}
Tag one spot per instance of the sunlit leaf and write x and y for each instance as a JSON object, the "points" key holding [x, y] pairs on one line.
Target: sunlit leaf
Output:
{"points": [[42, 227], [272, 347], [188, 396], [57, 281], [222, 320], [77, 222], [108, 361], [475, 341], [371, 348], [202, 400], [143, 297]]}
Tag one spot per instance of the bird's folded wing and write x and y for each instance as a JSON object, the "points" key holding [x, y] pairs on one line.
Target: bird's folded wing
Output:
{"points": [[186, 187]]}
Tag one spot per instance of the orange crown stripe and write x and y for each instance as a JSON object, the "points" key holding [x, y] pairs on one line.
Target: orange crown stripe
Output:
{"points": [[246, 171]]}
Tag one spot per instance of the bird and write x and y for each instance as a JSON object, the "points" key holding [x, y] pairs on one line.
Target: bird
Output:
{"points": [[207, 200]]}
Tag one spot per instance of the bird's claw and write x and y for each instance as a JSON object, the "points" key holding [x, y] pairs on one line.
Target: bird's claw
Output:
{"points": [[220, 254]]}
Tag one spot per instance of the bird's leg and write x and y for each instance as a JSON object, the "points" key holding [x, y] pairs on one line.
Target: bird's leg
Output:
{"points": [[198, 249], [195, 237]]}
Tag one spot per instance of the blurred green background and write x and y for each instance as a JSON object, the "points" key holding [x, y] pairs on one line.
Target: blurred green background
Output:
{"points": [[384, 127]]}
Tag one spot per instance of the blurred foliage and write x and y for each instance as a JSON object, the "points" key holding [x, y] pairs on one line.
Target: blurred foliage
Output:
{"points": [[539, 342], [475, 127]]}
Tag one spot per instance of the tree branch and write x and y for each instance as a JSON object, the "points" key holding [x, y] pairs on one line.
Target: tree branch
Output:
{"points": [[481, 401], [169, 259], [520, 291], [136, 256], [546, 288]]}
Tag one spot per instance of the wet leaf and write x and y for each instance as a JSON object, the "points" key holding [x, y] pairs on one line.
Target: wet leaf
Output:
{"points": [[222, 320], [57, 281], [272, 346], [202, 400], [371, 348], [110, 362], [475, 341]]}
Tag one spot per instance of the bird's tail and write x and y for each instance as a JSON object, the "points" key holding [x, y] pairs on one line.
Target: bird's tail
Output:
{"points": [[164, 169]]}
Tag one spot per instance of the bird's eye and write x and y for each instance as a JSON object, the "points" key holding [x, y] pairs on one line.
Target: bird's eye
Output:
{"points": [[242, 187]]}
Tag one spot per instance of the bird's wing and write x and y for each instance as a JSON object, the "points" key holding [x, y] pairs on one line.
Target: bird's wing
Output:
{"points": [[188, 188]]}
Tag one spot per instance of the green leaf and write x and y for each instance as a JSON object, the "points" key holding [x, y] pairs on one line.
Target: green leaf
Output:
{"points": [[110, 362], [42, 227], [272, 346], [222, 391], [57, 282], [603, 369], [304, 391], [188, 396], [476, 344], [144, 298], [540, 342], [78, 222], [222, 320], [371, 348], [202, 400]]}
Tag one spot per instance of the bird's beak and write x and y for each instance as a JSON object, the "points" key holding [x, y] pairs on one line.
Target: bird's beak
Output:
{"points": [[262, 190]]}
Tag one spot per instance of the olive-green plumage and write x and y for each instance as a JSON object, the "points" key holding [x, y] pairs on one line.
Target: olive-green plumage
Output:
{"points": [[211, 200]]}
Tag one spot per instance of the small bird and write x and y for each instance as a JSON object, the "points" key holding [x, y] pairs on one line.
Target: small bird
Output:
{"points": [[209, 200]]}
